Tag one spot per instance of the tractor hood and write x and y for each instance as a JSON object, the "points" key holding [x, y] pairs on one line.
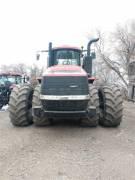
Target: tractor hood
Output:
{"points": [[65, 70], [64, 88]]}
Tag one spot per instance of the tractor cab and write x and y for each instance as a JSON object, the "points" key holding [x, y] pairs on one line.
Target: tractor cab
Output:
{"points": [[10, 78], [66, 56], [73, 56], [7, 82]]}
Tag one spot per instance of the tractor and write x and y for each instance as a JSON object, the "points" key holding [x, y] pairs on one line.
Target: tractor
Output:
{"points": [[67, 91], [7, 82]]}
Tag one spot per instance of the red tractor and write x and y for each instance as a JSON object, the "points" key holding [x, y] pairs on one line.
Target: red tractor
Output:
{"points": [[67, 91], [7, 82]]}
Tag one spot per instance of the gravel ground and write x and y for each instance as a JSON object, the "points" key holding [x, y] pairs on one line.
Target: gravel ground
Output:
{"points": [[66, 151]]}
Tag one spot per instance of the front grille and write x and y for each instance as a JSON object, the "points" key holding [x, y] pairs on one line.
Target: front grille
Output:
{"points": [[69, 85], [78, 105]]}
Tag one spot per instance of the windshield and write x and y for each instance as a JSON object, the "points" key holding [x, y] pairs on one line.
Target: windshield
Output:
{"points": [[66, 57], [12, 79]]}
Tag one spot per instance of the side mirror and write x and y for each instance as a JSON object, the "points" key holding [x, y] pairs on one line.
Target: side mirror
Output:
{"points": [[37, 57]]}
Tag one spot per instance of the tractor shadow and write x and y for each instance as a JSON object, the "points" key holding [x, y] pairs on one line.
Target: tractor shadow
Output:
{"points": [[65, 123]]}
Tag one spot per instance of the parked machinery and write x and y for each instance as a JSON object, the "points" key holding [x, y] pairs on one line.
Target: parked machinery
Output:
{"points": [[131, 75], [67, 91], [7, 82]]}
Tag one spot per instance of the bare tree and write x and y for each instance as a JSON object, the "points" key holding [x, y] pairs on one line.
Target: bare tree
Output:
{"points": [[35, 71], [21, 68], [32, 71], [123, 51], [16, 68], [113, 59]]}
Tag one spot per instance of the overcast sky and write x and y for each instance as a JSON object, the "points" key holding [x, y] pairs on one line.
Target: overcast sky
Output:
{"points": [[28, 25]]}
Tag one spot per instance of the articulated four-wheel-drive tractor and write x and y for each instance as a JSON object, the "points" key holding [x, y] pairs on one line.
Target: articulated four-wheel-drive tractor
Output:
{"points": [[67, 91]]}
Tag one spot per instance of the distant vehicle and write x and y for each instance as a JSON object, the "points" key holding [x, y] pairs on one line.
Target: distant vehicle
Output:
{"points": [[131, 75], [7, 82]]}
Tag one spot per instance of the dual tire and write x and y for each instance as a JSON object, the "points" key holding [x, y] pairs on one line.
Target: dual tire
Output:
{"points": [[108, 102], [110, 105], [22, 100]]}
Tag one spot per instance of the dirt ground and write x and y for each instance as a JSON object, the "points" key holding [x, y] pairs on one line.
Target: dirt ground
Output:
{"points": [[66, 151]]}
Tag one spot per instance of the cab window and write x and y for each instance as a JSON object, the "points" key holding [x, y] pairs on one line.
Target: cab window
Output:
{"points": [[66, 57]]}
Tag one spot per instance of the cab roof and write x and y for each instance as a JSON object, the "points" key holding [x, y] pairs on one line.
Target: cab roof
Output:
{"points": [[66, 47], [10, 74]]}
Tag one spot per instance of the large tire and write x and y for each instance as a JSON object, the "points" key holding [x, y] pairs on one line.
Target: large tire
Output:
{"points": [[37, 102], [110, 100], [94, 98], [22, 113], [12, 103], [118, 105], [94, 101]]}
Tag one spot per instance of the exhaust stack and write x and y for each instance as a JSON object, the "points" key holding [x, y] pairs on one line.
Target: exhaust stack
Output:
{"points": [[89, 45]]}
